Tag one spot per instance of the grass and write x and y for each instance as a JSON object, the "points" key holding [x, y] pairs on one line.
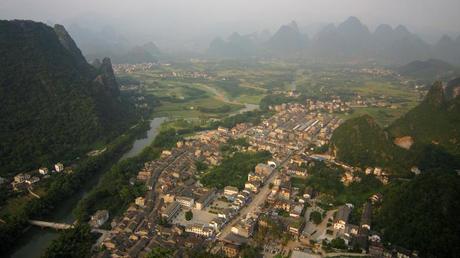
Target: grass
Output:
{"points": [[190, 109], [383, 116]]}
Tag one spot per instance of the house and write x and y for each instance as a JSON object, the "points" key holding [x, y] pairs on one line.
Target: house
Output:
{"points": [[140, 201], [341, 217], [144, 175], [231, 250], [32, 180], [376, 198], [217, 223], [252, 186], [185, 201], [244, 228], [99, 218], [199, 229], [59, 167], [296, 226], [21, 177], [230, 191], [296, 211], [226, 214], [351, 230], [205, 199], [254, 177], [171, 211], [263, 169], [43, 171]]}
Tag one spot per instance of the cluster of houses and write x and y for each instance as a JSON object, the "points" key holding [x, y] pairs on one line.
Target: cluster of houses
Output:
{"points": [[173, 190], [23, 181], [160, 217], [292, 128]]}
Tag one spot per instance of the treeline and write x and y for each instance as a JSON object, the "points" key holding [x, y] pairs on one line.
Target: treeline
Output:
{"points": [[115, 192], [233, 88], [116, 189], [60, 188], [422, 214], [216, 110], [277, 99], [72, 243], [253, 117], [234, 170]]}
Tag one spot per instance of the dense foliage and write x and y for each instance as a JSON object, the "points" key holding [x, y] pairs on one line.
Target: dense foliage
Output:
{"points": [[234, 170], [54, 104], [362, 142], [115, 191], [59, 188], [422, 214], [72, 243], [254, 117], [435, 120], [160, 252]]}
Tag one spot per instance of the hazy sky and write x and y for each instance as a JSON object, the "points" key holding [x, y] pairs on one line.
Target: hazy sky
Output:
{"points": [[188, 17]]}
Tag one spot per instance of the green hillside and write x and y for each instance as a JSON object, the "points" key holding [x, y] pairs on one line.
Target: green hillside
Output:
{"points": [[434, 121], [362, 142], [422, 214], [54, 104]]}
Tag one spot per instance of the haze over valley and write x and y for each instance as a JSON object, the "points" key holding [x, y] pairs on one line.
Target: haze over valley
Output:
{"points": [[229, 128]]}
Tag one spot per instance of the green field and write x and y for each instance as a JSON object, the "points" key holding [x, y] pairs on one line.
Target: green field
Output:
{"points": [[231, 84]]}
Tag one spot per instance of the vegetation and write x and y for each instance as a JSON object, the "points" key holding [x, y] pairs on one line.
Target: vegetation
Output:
{"points": [[275, 99], [234, 170], [421, 214], [160, 252], [436, 120], [114, 191], [352, 142], [254, 117], [188, 215], [316, 217], [58, 189], [73, 243], [53, 107]]}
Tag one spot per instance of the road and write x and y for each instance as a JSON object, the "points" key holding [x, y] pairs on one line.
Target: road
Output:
{"points": [[257, 201]]}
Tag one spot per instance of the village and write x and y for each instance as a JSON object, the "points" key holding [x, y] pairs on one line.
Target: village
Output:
{"points": [[179, 213]]}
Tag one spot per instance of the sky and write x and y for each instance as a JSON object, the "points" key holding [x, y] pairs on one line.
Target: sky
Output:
{"points": [[194, 18]]}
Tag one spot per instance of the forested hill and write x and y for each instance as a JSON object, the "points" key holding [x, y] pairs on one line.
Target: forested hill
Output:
{"points": [[434, 121], [433, 126], [53, 103], [362, 142]]}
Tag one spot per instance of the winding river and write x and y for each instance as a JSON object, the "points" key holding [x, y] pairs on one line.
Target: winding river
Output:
{"points": [[36, 240]]}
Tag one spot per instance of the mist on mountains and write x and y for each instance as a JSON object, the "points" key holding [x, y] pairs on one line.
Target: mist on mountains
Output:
{"points": [[190, 26]]}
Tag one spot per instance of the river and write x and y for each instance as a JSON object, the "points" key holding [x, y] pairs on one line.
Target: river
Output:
{"points": [[35, 241]]}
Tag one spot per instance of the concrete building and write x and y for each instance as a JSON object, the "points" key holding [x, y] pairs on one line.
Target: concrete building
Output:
{"points": [[99, 218], [171, 211]]}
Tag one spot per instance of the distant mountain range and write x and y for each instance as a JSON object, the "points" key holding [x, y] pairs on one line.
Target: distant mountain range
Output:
{"points": [[107, 43], [54, 104], [349, 42]]}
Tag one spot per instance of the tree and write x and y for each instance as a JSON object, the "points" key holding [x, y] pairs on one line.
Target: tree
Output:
{"points": [[316, 217], [75, 242], [338, 243], [160, 252], [189, 215]]}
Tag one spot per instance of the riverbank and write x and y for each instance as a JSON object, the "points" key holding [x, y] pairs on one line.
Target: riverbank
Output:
{"points": [[34, 241]]}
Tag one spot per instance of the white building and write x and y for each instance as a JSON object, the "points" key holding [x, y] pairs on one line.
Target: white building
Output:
{"points": [[43, 171], [59, 167]]}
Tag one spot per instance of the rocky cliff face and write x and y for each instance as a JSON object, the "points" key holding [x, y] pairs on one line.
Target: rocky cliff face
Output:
{"points": [[107, 78], [68, 43]]}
